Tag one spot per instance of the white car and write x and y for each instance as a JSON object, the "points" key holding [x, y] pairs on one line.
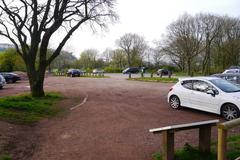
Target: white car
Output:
{"points": [[2, 81], [211, 94]]}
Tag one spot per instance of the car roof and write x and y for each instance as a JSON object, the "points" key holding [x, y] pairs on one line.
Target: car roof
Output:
{"points": [[199, 78], [227, 74]]}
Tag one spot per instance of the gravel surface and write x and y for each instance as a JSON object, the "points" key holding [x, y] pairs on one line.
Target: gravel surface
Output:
{"points": [[114, 121]]}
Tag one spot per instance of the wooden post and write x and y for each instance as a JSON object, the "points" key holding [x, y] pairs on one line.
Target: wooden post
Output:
{"points": [[168, 145], [129, 75], [205, 138], [222, 143]]}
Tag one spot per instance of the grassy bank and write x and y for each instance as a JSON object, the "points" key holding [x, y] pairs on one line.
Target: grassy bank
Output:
{"points": [[191, 153], [25, 109], [155, 79], [91, 76]]}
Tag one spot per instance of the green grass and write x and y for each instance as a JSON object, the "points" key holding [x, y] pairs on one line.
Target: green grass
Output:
{"points": [[25, 109], [91, 76], [191, 153], [5, 157], [155, 79]]}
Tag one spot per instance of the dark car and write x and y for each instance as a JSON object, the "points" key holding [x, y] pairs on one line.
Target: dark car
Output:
{"points": [[131, 70], [164, 72], [10, 77], [74, 72], [231, 77]]}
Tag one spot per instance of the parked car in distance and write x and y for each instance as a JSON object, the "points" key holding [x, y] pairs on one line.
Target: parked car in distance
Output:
{"points": [[234, 67], [210, 94], [163, 72], [75, 72], [10, 77], [2, 81], [131, 70], [98, 71], [232, 71], [231, 77]]}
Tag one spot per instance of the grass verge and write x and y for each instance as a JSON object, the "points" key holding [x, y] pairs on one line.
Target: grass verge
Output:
{"points": [[5, 157], [155, 79], [25, 109], [191, 153], [91, 76]]}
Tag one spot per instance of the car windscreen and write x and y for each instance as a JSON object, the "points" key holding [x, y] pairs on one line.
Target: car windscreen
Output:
{"points": [[225, 85]]}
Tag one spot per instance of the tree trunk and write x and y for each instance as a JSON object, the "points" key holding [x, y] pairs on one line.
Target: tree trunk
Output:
{"points": [[189, 66], [129, 60], [36, 80]]}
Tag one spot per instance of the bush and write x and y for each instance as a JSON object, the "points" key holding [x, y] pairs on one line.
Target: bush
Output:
{"points": [[113, 70], [171, 68]]}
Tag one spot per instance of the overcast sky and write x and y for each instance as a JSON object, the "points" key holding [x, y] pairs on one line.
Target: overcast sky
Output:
{"points": [[148, 18]]}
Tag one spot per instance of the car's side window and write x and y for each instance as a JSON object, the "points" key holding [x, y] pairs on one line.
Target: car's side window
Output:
{"points": [[201, 86], [187, 84]]}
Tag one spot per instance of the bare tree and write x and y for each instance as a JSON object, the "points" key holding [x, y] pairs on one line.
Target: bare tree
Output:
{"points": [[29, 25], [157, 53], [210, 28], [183, 40], [134, 46], [231, 43], [119, 59], [88, 58]]}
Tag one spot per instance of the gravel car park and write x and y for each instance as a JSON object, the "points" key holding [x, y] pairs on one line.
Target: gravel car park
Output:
{"points": [[114, 120]]}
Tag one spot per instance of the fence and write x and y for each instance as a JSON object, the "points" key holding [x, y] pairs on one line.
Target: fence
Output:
{"points": [[222, 137]]}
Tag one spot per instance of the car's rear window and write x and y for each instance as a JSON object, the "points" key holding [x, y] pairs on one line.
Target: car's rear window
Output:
{"points": [[187, 84]]}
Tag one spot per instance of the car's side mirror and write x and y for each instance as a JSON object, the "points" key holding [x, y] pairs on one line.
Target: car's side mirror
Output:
{"points": [[212, 92]]}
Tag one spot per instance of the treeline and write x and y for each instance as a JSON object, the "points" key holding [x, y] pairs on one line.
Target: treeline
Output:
{"points": [[203, 43]]}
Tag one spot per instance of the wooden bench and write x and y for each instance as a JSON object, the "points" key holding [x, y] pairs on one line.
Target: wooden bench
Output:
{"points": [[168, 136]]}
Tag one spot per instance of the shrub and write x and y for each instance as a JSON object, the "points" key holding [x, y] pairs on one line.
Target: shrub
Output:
{"points": [[113, 70]]}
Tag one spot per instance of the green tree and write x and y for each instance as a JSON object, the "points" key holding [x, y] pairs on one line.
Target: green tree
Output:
{"points": [[11, 61]]}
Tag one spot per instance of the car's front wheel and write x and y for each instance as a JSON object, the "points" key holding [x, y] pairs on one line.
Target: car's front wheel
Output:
{"points": [[174, 102], [230, 112]]}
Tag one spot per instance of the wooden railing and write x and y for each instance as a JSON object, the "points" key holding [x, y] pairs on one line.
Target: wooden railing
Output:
{"points": [[222, 137], [168, 136]]}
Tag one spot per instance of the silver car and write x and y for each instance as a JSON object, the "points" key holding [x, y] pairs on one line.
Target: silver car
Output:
{"points": [[2, 81]]}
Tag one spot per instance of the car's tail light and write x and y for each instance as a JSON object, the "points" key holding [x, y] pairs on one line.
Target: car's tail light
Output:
{"points": [[170, 89]]}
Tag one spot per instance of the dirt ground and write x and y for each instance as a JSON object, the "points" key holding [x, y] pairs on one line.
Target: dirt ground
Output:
{"points": [[112, 124]]}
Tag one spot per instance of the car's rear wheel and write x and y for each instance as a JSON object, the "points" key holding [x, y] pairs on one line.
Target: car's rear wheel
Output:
{"points": [[174, 102], [10, 81], [230, 112]]}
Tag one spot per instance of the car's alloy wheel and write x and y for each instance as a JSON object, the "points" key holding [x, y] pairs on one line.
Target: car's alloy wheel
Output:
{"points": [[174, 102], [230, 112]]}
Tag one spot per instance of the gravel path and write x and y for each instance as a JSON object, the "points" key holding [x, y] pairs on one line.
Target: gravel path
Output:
{"points": [[113, 122]]}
